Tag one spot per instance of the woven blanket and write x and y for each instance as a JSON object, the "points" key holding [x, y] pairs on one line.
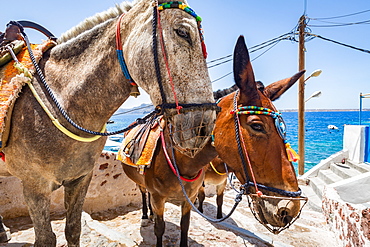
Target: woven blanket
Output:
{"points": [[145, 157], [12, 82]]}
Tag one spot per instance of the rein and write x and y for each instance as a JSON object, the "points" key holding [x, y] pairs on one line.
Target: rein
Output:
{"points": [[176, 171], [169, 162]]}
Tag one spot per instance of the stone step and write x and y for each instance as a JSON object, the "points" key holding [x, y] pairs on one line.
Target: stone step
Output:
{"points": [[361, 167], [344, 170], [317, 185], [314, 201], [329, 176]]}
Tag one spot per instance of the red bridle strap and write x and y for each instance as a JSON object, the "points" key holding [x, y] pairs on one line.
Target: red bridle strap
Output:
{"points": [[161, 41], [172, 166], [258, 192]]}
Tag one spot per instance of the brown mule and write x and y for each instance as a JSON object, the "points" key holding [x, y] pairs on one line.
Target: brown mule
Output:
{"points": [[265, 147]]}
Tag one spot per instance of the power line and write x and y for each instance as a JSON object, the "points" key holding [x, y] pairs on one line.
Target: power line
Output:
{"points": [[339, 43], [215, 60], [273, 42], [341, 16], [336, 24], [221, 77]]}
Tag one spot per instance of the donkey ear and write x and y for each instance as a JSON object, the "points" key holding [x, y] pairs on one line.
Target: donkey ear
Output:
{"points": [[276, 89], [243, 71]]}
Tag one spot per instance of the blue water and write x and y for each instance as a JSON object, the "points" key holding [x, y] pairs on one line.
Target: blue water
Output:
{"points": [[320, 142]]}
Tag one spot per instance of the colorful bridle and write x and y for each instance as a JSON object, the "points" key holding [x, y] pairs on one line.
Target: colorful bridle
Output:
{"points": [[287, 196], [279, 124], [281, 129], [157, 26]]}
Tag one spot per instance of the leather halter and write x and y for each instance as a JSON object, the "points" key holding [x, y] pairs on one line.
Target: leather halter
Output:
{"points": [[244, 157]]}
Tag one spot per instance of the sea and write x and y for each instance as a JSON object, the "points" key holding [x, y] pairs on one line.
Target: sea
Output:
{"points": [[320, 141]]}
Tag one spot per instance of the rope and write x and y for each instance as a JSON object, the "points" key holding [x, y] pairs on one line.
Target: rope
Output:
{"points": [[60, 108], [237, 137], [171, 165], [166, 63], [155, 53], [237, 199], [258, 192]]}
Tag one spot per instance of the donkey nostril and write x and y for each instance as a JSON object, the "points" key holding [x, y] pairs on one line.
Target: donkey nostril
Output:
{"points": [[285, 217]]}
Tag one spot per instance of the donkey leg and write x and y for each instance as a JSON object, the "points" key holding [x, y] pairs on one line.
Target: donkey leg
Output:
{"points": [[185, 222], [37, 197], [157, 203], [201, 197], [220, 198], [74, 196], [4, 232], [151, 214], [144, 203]]}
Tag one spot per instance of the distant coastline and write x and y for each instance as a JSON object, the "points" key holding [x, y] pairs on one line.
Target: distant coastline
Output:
{"points": [[147, 108]]}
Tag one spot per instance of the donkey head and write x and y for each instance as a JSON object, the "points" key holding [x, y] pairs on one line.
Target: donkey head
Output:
{"points": [[168, 62], [261, 138]]}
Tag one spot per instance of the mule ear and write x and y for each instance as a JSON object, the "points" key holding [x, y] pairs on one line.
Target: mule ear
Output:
{"points": [[276, 89], [243, 71]]}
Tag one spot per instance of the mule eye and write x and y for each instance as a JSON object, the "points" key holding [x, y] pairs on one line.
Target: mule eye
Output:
{"points": [[257, 127], [182, 33]]}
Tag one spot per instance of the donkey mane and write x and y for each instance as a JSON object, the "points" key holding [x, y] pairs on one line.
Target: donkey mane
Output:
{"points": [[95, 20], [223, 92]]}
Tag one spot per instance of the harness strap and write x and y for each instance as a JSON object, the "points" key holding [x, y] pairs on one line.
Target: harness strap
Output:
{"points": [[172, 166], [215, 170], [58, 124], [33, 25], [134, 92], [55, 121], [161, 40]]}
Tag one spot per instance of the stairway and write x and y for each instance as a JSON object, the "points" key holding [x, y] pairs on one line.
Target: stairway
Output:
{"points": [[312, 185]]}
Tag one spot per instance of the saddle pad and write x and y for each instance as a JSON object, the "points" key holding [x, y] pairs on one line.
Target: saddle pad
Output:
{"points": [[12, 82], [145, 157]]}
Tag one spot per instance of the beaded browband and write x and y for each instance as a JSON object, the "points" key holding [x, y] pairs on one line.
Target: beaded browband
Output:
{"points": [[279, 124], [187, 9]]}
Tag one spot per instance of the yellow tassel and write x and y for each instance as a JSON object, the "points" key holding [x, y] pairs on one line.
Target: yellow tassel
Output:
{"points": [[134, 91], [292, 155]]}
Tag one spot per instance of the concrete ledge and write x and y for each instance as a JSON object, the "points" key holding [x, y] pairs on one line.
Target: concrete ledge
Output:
{"points": [[354, 190]]}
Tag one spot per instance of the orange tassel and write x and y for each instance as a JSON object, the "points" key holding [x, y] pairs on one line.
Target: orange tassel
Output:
{"points": [[292, 155]]}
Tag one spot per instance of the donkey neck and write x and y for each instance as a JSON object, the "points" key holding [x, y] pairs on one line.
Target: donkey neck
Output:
{"points": [[86, 77]]}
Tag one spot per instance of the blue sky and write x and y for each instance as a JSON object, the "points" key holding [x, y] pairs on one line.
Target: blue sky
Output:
{"points": [[346, 72]]}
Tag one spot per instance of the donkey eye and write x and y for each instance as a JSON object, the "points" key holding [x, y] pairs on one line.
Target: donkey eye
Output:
{"points": [[257, 127], [182, 33]]}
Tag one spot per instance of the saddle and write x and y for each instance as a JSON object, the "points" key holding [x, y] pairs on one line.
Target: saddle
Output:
{"points": [[139, 144], [13, 76]]}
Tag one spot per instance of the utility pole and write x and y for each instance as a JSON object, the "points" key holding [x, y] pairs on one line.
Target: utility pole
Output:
{"points": [[301, 103]]}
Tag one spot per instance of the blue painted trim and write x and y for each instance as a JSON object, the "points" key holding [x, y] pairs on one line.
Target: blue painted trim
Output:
{"points": [[123, 65], [366, 151]]}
